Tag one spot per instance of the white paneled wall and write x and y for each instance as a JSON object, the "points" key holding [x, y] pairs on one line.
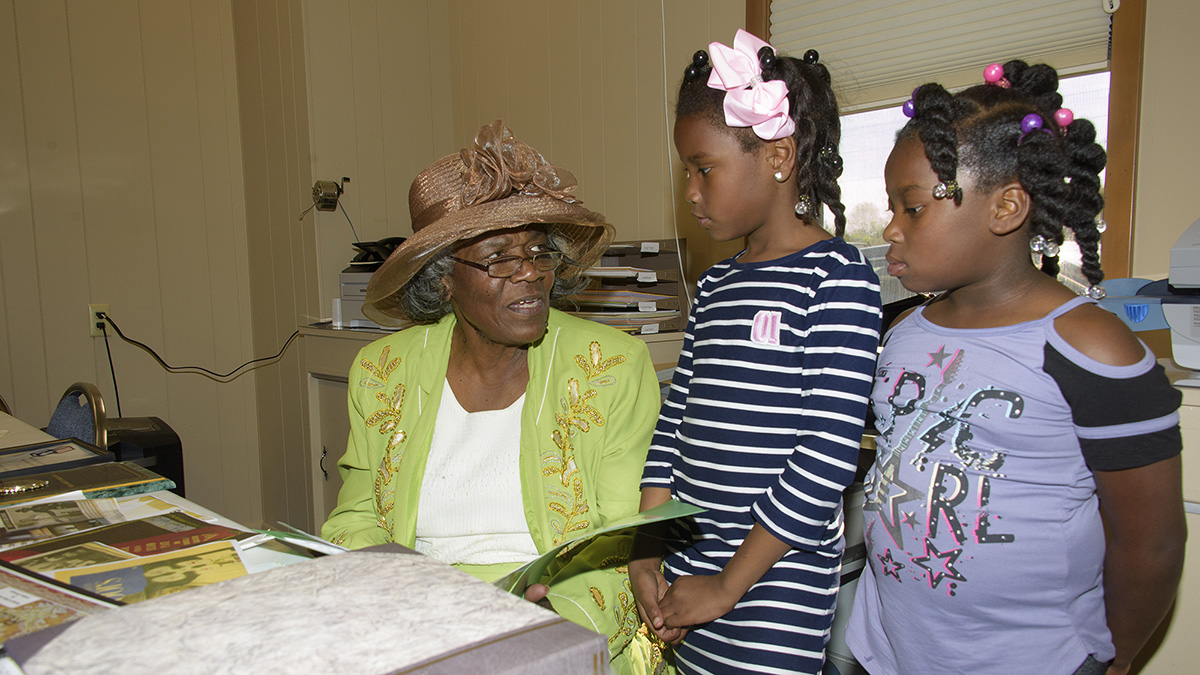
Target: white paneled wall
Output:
{"points": [[122, 183]]}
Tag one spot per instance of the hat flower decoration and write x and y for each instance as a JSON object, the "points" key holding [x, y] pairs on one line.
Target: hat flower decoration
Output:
{"points": [[499, 165]]}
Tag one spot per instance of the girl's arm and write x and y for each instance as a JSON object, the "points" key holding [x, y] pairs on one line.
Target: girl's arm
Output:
{"points": [[645, 564], [838, 360], [693, 600], [1142, 505], [645, 568], [1143, 509]]}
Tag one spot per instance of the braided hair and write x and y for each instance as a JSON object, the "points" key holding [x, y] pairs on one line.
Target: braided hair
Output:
{"points": [[812, 105], [980, 130]]}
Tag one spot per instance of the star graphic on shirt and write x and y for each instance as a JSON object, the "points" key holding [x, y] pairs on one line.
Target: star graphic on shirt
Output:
{"points": [[939, 357], [888, 488], [948, 559], [909, 518], [890, 566]]}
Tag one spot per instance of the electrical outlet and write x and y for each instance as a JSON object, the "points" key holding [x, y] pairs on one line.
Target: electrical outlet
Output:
{"points": [[94, 320]]}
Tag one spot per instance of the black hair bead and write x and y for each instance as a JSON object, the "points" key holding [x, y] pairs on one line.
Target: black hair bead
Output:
{"points": [[766, 57], [699, 63], [811, 57]]}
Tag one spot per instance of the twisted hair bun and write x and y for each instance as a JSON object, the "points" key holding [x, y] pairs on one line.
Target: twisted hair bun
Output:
{"points": [[980, 130]]}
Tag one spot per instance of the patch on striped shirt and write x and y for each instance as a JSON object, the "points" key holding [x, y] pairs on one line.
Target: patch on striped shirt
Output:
{"points": [[765, 329]]}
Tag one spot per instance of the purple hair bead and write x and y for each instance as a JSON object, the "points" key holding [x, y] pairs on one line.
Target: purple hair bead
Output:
{"points": [[908, 109], [1030, 122]]}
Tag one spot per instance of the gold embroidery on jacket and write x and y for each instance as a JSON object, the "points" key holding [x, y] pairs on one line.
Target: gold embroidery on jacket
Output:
{"points": [[657, 647], [387, 419], [598, 596], [577, 415], [625, 613], [597, 364]]}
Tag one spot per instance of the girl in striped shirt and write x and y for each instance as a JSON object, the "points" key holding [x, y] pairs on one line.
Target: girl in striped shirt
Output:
{"points": [[764, 418]]}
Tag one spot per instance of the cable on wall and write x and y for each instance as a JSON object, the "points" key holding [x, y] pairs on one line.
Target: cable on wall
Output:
{"points": [[111, 368], [195, 370], [662, 15]]}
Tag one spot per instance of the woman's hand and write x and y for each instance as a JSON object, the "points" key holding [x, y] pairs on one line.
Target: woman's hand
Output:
{"points": [[695, 600], [536, 593]]}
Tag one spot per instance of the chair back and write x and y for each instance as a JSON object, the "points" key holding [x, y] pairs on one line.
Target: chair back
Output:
{"points": [[80, 415], [4, 407]]}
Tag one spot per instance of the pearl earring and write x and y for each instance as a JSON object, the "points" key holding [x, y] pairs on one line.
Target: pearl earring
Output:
{"points": [[778, 176]]}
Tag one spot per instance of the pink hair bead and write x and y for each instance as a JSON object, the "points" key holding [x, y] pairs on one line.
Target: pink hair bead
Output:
{"points": [[993, 73], [1063, 117]]}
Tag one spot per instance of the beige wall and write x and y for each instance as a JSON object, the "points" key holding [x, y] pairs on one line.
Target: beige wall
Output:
{"points": [[379, 97], [395, 85], [121, 183], [1169, 140]]}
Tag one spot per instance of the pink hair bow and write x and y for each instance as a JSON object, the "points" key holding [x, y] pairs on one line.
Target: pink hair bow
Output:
{"points": [[749, 101]]}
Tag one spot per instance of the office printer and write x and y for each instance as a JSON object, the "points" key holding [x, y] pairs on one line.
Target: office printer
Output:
{"points": [[1172, 303], [368, 257]]}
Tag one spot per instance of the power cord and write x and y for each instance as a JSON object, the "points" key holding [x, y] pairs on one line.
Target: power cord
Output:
{"points": [[195, 370], [112, 369]]}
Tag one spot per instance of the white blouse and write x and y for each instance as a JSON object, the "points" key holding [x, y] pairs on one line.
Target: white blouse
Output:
{"points": [[470, 510]]}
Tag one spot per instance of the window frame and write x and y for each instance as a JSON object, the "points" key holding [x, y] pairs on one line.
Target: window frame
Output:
{"points": [[1124, 117]]}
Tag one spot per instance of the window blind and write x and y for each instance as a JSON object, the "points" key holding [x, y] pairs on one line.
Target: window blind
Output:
{"points": [[878, 50]]}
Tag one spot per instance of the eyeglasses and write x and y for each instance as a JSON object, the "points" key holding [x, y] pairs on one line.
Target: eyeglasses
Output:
{"points": [[503, 268]]}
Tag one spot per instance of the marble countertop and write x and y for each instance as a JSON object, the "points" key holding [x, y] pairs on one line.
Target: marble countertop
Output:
{"points": [[363, 612]]}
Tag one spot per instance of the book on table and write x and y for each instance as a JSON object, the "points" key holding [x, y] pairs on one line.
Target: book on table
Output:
{"points": [[24, 524], [144, 536], [108, 479]]}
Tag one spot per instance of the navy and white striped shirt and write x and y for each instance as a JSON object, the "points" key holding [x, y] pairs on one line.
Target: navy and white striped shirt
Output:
{"points": [[763, 424]]}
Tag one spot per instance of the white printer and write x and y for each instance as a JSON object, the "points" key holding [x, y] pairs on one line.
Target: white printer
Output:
{"points": [[1172, 303], [369, 256]]}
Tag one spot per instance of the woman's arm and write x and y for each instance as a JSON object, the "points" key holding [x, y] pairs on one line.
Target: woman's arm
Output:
{"points": [[354, 521], [1143, 511]]}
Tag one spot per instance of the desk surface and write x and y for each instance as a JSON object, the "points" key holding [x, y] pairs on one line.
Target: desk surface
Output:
{"points": [[14, 432]]}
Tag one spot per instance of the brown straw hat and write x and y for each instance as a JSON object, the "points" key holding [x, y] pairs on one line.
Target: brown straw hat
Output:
{"points": [[498, 184]]}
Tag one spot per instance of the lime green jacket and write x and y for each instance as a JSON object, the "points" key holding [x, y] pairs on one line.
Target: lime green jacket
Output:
{"points": [[590, 409]]}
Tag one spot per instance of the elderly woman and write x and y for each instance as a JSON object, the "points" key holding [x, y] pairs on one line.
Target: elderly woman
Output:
{"points": [[498, 427]]}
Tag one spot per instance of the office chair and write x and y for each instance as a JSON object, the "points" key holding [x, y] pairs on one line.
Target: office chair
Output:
{"points": [[4, 407], [80, 414]]}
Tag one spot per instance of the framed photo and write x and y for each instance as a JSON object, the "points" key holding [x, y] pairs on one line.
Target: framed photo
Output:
{"points": [[50, 456]]}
